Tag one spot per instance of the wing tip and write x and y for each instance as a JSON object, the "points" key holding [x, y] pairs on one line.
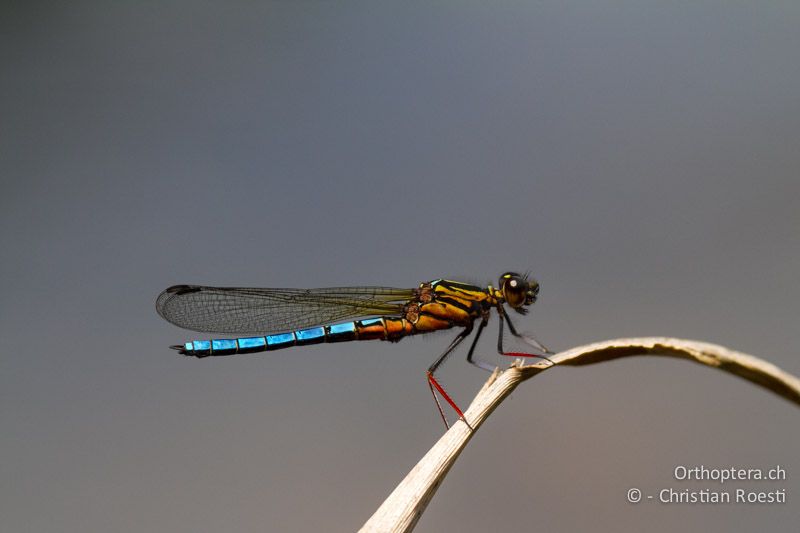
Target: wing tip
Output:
{"points": [[182, 289], [163, 299]]}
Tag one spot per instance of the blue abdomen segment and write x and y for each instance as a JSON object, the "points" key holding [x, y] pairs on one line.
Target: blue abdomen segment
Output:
{"points": [[310, 336], [346, 331], [281, 340], [342, 332], [251, 344]]}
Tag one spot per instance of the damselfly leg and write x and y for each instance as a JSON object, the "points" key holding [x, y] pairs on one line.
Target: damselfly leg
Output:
{"points": [[483, 365], [503, 316], [434, 384]]}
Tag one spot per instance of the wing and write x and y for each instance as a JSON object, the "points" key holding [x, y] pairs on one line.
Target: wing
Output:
{"points": [[238, 310]]}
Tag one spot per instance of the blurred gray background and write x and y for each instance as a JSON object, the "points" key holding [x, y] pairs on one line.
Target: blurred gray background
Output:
{"points": [[640, 158]]}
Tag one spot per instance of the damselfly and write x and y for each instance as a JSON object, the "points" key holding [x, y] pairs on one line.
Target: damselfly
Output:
{"points": [[295, 317]]}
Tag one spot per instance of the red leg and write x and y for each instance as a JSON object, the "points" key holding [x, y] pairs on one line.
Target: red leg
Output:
{"points": [[435, 385], [438, 405], [520, 354]]}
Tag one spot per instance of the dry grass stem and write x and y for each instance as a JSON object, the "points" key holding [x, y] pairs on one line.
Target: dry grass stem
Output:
{"points": [[404, 506]]}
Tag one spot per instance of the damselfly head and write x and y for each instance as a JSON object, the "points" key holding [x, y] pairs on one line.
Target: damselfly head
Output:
{"points": [[518, 291]]}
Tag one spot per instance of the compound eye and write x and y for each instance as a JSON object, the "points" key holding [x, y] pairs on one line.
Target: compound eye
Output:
{"points": [[514, 289]]}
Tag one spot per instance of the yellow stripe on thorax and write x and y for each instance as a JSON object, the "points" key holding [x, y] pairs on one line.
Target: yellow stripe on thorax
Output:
{"points": [[464, 293]]}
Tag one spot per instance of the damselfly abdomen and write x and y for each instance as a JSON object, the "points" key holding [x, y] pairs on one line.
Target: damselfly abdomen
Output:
{"points": [[279, 318]]}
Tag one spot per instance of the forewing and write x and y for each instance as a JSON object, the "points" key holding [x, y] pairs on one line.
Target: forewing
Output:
{"points": [[239, 310]]}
